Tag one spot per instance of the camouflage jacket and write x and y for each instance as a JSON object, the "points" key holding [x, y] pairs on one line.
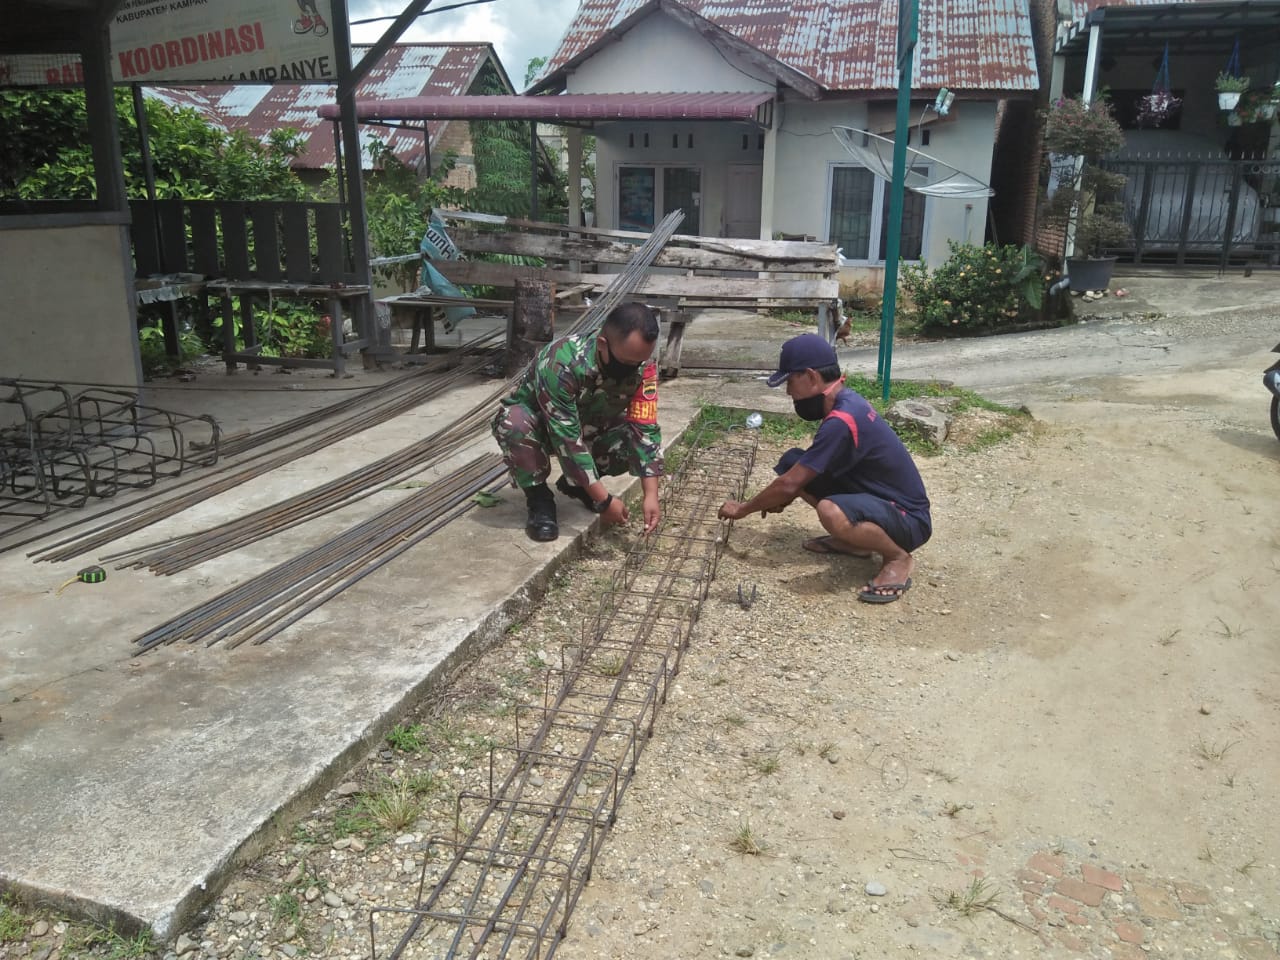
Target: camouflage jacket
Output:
{"points": [[566, 387]]}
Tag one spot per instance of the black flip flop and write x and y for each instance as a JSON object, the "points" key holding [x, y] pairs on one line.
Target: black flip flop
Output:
{"points": [[870, 594]]}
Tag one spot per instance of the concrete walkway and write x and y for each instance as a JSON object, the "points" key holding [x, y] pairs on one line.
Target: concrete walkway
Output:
{"points": [[132, 785]]}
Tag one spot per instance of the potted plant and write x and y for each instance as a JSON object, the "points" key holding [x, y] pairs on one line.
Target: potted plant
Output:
{"points": [[1229, 88], [1083, 193], [1156, 107]]}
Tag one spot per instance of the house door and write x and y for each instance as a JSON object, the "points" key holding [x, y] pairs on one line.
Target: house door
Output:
{"points": [[742, 200]]}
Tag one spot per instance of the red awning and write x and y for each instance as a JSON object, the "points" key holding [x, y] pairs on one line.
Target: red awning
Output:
{"points": [[566, 107]]}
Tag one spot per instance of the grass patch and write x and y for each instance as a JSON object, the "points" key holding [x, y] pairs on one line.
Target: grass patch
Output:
{"points": [[13, 923], [714, 422], [107, 944], [394, 806], [745, 840], [990, 437], [1213, 751], [408, 738], [979, 895], [767, 764], [285, 907]]}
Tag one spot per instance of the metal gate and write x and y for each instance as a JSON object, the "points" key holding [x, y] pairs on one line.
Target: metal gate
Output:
{"points": [[1201, 211]]}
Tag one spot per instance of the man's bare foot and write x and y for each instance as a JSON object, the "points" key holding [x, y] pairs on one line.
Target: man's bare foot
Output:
{"points": [[893, 580]]}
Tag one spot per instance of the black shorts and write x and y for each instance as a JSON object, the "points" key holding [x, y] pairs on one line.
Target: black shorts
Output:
{"points": [[905, 531], [908, 532]]}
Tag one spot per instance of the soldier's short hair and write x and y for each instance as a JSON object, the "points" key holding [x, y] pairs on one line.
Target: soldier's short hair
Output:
{"points": [[627, 318]]}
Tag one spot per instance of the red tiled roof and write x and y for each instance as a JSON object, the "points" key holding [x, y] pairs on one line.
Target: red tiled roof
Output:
{"points": [[583, 106], [842, 45], [407, 70]]}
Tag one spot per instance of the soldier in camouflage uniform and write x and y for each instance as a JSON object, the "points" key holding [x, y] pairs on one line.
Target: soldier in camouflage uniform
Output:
{"points": [[591, 401]]}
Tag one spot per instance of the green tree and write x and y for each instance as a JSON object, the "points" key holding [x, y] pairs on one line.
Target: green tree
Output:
{"points": [[45, 153]]}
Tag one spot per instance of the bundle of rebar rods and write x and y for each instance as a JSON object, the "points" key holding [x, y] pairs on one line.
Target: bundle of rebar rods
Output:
{"points": [[267, 603], [530, 841]]}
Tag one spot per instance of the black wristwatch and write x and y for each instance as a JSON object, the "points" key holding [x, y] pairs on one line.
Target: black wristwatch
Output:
{"points": [[601, 506]]}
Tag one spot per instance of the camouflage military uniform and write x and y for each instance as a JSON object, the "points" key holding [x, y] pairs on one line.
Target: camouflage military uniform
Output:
{"points": [[566, 407]]}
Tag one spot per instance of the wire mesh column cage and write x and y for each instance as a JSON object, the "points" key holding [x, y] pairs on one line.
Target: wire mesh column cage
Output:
{"points": [[59, 449], [505, 883]]}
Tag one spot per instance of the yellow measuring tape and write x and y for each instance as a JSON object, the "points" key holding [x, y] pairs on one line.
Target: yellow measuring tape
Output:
{"points": [[93, 574]]}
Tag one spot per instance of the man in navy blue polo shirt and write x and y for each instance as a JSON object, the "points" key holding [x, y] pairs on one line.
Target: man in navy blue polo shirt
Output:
{"points": [[856, 473]]}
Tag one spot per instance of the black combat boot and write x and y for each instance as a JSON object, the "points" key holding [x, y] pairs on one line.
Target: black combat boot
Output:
{"points": [[574, 492], [541, 525]]}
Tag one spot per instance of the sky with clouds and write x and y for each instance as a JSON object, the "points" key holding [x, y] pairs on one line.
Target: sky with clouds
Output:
{"points": [[518, 29]]}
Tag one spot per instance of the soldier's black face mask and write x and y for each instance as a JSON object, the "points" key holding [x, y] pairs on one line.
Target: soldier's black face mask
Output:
{"points": [[614, 369]]}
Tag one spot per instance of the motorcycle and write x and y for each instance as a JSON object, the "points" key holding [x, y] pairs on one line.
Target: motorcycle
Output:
{"points": [[1272, 381]]}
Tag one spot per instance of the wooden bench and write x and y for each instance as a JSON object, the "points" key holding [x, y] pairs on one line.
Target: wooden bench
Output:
{"points": [[254, 250]]}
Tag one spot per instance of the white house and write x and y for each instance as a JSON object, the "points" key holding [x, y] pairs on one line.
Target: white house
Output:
{"points": [[807, 66]]}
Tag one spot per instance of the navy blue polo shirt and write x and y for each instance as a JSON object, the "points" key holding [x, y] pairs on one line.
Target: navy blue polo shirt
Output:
{"points": [[862, 454]]}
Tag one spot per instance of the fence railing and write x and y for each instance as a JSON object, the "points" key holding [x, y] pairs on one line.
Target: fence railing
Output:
{"points": [[270, 241], [1200, 210]]}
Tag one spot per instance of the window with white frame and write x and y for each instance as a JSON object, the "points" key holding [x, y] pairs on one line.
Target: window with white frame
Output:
{"points": [[858, 216]]}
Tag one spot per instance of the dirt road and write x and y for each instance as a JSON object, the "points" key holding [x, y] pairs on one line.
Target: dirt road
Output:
{"points": [[1074, 711]]}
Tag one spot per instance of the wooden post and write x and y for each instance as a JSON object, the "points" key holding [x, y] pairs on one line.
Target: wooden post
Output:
{"points": [[532, 322]]}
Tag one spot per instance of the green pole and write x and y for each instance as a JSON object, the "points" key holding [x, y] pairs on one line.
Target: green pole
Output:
{"points": [[908, 12]]}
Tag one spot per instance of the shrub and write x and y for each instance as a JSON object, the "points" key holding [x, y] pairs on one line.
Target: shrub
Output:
{"points": [[977, 288]]}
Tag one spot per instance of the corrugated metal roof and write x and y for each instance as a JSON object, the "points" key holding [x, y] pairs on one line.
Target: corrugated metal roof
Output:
{"points": [[843, 45], [407, 70], [1143, 27], [582, 106]]}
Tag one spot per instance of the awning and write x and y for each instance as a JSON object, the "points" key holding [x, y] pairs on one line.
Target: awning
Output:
{"points": [[1208, 26], [569, 107]]}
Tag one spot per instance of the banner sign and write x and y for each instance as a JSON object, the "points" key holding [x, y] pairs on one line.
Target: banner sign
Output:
{"points": [[192, 41]]}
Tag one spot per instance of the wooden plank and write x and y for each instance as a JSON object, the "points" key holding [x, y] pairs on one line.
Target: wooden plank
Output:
{"points": [[653, 285], [617, 251], [266, 241], [235, 241], [142, 230], [764, 302], [173, 236], [297, 244], [329, 243], [737, 246], [203, 215]]}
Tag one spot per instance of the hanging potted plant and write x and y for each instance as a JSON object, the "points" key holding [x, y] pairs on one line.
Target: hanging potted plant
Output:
{"points": [[1084, 194], [1229, 89], [1157, 106]]}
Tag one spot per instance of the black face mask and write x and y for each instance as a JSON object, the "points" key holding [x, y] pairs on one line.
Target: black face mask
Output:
{"points": [[614, 369], [811, 408]]}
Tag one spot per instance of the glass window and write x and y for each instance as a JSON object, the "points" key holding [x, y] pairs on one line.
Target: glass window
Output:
{"points": [[852, 200], [859, 222], [636, 199], [912, 242]]}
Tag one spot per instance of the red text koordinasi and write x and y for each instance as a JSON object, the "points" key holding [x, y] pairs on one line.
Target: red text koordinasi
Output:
{"points": [[199, 48]]}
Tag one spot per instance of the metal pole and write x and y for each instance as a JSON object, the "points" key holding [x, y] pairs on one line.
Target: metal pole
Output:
{"points": [[362, 307], [533, 169], [907, 15]]}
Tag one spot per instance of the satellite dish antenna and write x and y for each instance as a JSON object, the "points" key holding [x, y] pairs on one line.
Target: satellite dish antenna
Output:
{"points": [[925, 174]]}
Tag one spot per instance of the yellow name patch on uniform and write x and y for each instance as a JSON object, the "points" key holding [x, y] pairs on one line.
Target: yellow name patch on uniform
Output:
{"points": [[644, 403]]}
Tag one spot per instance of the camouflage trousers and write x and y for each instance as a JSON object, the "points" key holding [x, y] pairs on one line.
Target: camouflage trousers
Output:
{"points": [[526, 448]]}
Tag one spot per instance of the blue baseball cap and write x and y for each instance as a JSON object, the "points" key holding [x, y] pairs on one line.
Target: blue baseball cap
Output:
{"points": [[805, 352]]}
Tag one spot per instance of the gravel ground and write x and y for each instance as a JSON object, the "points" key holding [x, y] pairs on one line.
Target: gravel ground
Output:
{"points": [[1060, 743]]}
